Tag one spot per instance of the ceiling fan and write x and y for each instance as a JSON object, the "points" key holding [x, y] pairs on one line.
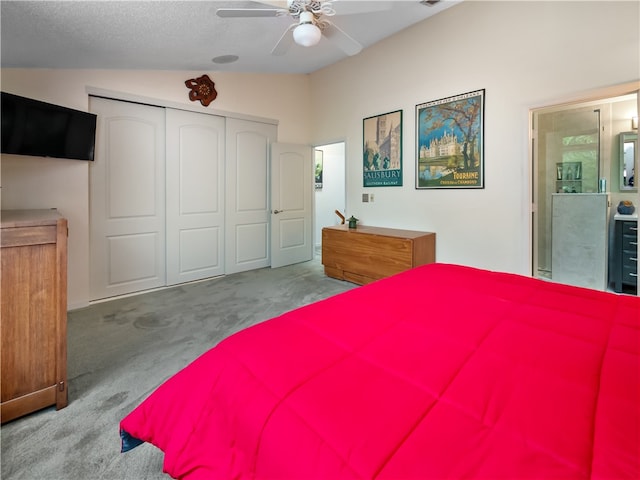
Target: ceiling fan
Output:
{"points": [[311, 24]]}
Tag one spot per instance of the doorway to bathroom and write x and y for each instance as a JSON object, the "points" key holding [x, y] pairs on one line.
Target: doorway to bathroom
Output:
{"points": [[330, 188], [577, 161]]}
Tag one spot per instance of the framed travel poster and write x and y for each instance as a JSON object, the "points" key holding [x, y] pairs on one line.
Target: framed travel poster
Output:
{"points": [[450, 143], [382, 150]]}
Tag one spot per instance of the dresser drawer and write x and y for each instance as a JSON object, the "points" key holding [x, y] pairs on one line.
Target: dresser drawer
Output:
{"points": [[629, 258], [629, 243], [630, 228], [630, 274]]}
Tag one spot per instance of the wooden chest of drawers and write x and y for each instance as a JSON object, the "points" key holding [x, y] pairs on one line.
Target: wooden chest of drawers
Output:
{"points": [[364, 254], [625, 252], [34, 312]]}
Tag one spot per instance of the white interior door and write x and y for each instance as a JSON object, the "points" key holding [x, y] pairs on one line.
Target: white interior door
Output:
{"points": [[195, 196], [127, 204], [292, 177], [247, 194]]}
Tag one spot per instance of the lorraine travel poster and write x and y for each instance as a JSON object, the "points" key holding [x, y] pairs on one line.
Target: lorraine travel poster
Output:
{"points": [[382, 150], [449, 148]]}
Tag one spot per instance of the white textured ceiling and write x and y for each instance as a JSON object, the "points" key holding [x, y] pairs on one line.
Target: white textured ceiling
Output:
{"points": [[183, 35]]}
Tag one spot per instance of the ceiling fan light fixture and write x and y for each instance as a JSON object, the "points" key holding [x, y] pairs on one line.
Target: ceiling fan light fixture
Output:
{"points": [[307, 34]]}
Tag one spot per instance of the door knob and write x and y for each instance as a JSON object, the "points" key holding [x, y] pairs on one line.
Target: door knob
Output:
{"points": [[277, 211]]}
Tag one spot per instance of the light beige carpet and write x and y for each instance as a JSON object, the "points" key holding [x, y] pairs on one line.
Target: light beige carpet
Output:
{"points": [[120, 351]]}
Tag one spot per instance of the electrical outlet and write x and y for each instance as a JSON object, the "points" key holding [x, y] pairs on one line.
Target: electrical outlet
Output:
{"points": [[365, 197]]}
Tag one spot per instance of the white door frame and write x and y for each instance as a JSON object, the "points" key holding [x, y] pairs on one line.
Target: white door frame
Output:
{"points": [[593, 96], [334, 180]]}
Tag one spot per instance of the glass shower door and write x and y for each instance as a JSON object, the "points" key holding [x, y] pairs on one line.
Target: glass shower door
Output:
{"points": [[567, 154]]}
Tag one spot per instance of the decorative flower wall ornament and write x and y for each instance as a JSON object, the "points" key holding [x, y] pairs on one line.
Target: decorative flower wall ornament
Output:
{"points": [[203, 89]]}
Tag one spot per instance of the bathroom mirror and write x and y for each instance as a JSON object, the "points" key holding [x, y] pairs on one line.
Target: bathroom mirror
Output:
{"points": [[628, 165]]}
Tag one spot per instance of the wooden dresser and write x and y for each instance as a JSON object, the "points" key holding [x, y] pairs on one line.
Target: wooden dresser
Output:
{"points": [[364, 254], [34, 311]]}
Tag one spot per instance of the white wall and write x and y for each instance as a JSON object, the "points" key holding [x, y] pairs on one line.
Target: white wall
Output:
{"points": [[32, 182], [332, 195], [524, 54]]}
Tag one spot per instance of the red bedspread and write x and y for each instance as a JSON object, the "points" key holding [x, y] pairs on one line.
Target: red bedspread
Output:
{"points": [[440, 372]]}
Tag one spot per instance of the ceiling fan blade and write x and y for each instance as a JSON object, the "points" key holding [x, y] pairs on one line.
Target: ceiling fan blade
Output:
{"points": [[354, 8], [285, 42], [343, 41], [282, 4], [249, 12]]}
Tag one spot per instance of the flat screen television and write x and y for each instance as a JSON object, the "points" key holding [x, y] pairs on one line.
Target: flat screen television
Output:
{"points": [[32, 127]]}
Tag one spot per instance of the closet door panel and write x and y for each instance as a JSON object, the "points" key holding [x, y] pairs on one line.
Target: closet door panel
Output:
{"points": [[176, 196], [195, 196], [127, 205], [247, 206]]}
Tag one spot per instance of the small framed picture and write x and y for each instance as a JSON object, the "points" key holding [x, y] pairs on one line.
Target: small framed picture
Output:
{"points": [[319, 154]]}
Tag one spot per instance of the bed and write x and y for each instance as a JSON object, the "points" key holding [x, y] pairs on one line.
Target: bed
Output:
{"points": [[442, 371]]}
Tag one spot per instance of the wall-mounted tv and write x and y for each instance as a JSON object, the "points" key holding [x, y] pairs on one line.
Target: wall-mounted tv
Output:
{"points": [[32, 127]]}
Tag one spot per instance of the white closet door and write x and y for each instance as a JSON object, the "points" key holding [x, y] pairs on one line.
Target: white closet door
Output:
{"points": [[247, 194], [127, 190], [195, 196], [292, 180]]}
